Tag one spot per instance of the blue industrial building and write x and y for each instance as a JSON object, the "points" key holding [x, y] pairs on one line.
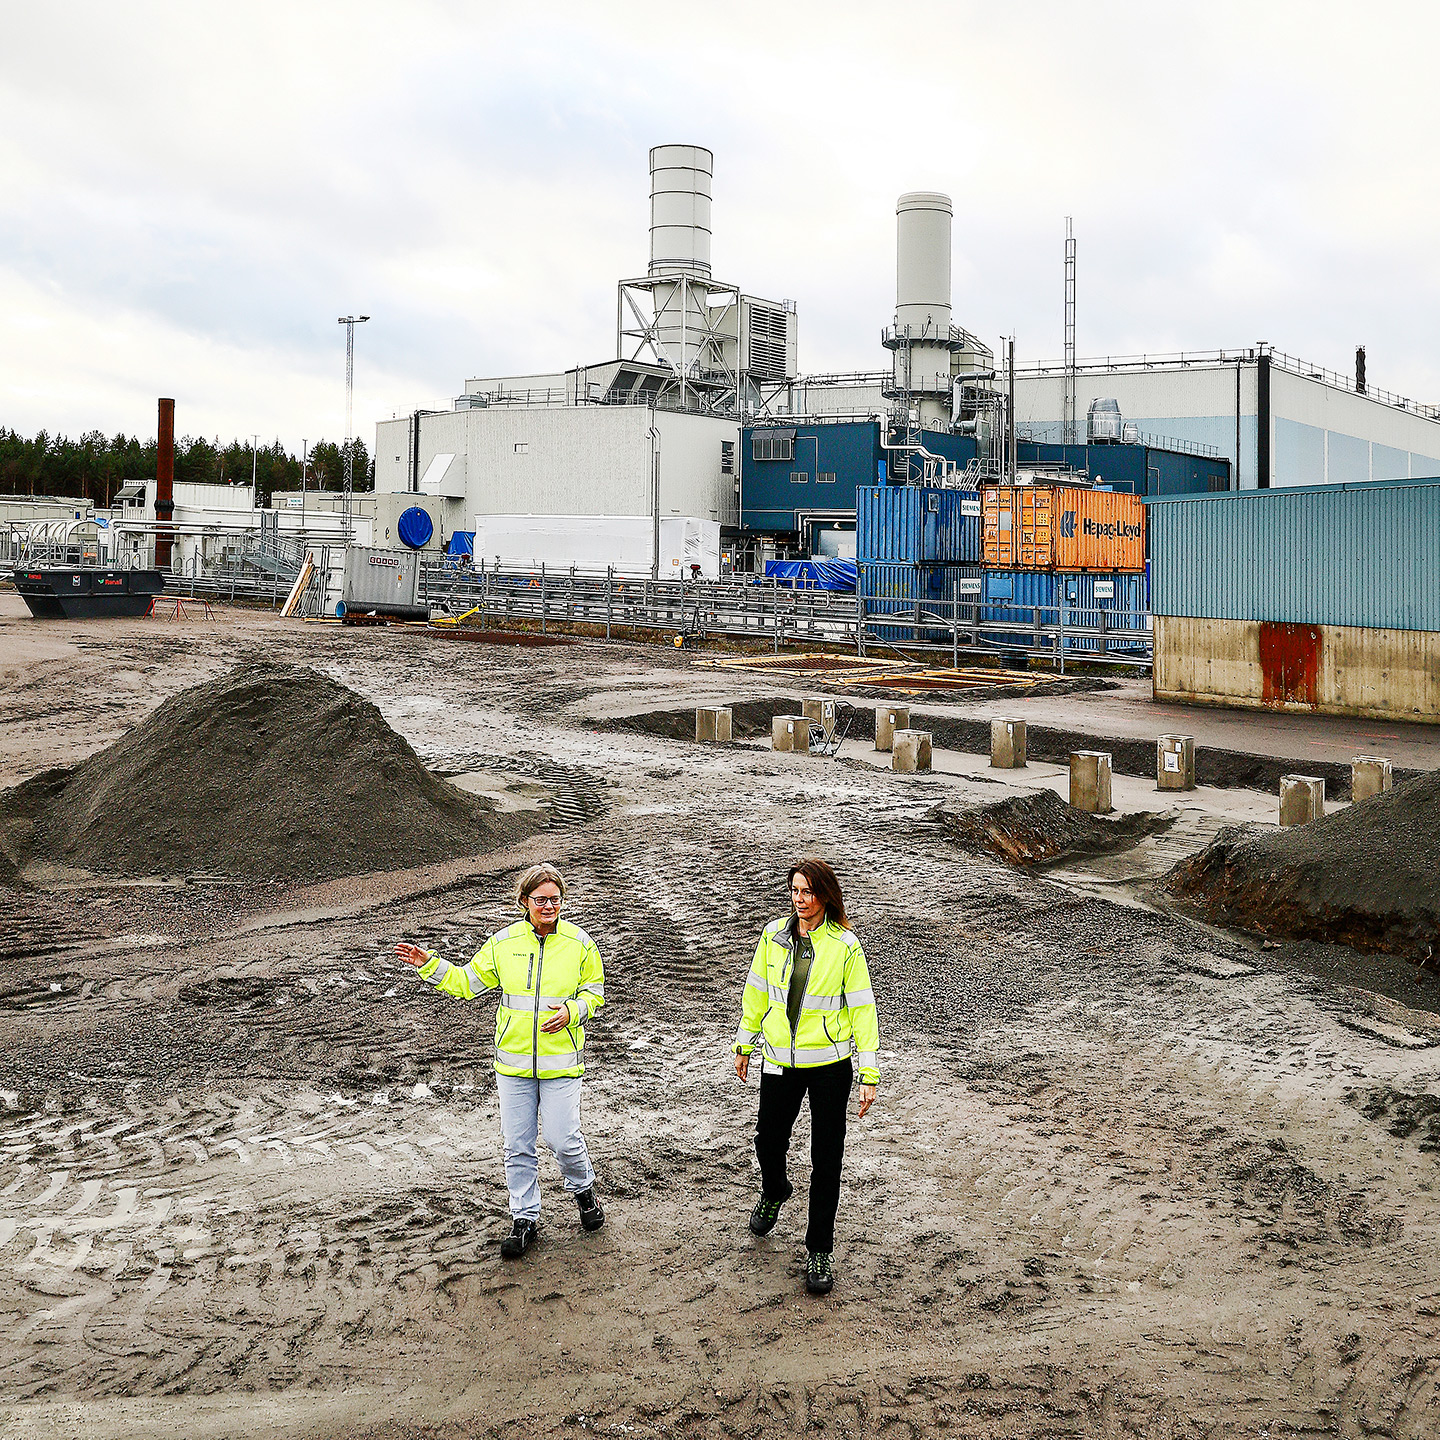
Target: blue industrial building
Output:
{"points": [[798, 482], [1139, 469]]}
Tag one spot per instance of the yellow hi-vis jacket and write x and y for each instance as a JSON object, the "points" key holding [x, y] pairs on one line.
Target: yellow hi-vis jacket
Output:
{"points": [[837, 1011], [534, 974]]}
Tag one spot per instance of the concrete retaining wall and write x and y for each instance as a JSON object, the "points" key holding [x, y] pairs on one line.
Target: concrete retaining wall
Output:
{"points": [[1333, 669]]}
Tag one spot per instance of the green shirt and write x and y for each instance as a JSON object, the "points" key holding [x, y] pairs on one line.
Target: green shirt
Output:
{"points": [[804, 953]]}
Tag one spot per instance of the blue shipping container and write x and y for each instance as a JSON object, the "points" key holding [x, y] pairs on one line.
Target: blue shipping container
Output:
{"points": [[1364, 555], [895, 588], [918, 524], [1115, 601]]}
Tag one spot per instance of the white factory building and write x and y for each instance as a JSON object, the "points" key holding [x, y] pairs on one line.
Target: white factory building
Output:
{"points": [[656, 430]]}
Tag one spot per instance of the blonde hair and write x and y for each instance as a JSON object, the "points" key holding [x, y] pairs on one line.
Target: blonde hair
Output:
{"points": [[534, 878]]}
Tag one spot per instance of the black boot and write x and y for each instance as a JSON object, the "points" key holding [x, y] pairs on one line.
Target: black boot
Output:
{"points": [[819, 1273], [519, 1240], [592, 1216], [767, 1212]]}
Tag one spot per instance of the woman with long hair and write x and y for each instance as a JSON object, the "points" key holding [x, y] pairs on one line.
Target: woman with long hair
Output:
{"points": [[808, 1005], [551, 981]]}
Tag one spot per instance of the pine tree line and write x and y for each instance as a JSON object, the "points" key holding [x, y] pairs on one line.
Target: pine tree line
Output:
{"points": [[94, 468]]}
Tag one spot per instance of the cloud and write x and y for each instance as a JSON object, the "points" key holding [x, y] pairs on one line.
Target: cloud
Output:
{"points": [[193, 195]]}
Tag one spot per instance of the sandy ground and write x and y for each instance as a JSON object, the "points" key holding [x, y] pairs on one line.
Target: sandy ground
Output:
{"points": [[1127, 1175]]}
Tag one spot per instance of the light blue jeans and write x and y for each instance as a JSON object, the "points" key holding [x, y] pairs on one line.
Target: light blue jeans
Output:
{"points": [[526, 1107]]}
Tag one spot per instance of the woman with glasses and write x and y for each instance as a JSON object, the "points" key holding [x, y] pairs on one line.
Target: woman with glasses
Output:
{"points": [[809, 1005], [551, 982]]}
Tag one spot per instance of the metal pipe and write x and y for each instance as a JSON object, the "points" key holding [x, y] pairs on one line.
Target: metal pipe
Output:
{"points": [[653, 433], [1012, 450]]}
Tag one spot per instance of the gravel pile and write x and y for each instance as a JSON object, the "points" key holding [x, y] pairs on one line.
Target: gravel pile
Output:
{"points": [[271, 771], [1034, 828], [1367, 876]]}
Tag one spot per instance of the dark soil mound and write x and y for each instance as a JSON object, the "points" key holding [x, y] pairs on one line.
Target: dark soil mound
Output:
{"points": [[1035, 828], [270, 771], [1367, 876]]}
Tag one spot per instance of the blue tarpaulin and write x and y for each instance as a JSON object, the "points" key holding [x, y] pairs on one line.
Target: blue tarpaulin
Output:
{"points": [[462, 542], [812, 574]]}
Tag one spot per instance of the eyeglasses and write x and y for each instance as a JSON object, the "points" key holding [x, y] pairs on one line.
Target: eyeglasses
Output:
{"points": [[545, 902]]}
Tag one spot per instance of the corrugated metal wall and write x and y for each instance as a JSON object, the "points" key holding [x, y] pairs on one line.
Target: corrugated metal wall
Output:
{"points": [[1364, 555], [914, 523], [896, 588], [1083, 595]]}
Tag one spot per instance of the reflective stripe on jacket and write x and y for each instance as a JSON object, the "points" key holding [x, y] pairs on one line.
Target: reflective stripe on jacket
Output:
{"points": [[534, 974], [837, 1011]]}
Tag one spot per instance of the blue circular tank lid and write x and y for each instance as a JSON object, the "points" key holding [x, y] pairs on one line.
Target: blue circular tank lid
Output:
{"points": [[415, 527]]}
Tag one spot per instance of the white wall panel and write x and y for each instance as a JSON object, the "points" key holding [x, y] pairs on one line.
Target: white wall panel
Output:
{"points": [[587, 460]]}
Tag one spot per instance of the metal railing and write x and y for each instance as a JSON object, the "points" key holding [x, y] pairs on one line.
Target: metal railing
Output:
{"points": [[1184, 359], [742, 609], [232, 585], [778, 615]]}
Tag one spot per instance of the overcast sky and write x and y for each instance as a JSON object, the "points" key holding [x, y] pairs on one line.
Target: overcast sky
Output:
{"points": [[190, 194]]}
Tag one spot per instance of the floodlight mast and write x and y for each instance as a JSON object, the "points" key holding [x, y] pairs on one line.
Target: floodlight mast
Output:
{"points": [[350, 322]]}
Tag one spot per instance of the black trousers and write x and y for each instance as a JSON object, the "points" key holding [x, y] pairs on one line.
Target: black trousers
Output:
{"points": [[780, 1098]]}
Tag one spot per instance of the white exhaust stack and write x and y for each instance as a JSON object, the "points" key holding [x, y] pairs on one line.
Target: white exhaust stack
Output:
{"points": [[680, 178], [921, 339]]}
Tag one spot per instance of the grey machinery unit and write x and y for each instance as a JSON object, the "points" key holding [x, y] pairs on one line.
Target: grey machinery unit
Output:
{"points": [[383, 582]]}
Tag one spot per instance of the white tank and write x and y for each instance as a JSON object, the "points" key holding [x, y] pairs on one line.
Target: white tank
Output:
{"points": [[922, 263], [680, 177]]}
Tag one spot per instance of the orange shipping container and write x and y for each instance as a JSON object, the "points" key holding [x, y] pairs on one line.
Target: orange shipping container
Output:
{"points": [[1061, 527], [1099, 530], [1019, 527]]}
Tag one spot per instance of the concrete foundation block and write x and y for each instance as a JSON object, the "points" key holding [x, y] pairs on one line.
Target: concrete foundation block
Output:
{"points": [[889, 719], [822, 712], [910, 751], [1090, 781], [1302, 799], [1007, 744], [712, 724], [1369, 775], [791, 734], [1175, 762]]}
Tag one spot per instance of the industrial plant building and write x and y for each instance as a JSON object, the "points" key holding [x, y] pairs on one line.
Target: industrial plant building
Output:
{"points": [[703, 412], [1278, 420], [655, 431]]}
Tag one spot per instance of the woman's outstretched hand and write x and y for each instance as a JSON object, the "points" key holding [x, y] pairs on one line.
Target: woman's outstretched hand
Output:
{"points": [[867, 1099], [411, 954], [742, 1065]]}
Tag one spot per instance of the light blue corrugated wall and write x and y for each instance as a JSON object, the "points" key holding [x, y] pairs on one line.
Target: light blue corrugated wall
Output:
{"points": [[1366, 556]]}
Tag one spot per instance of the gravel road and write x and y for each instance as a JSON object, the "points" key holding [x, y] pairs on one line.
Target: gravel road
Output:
{"points": [[1127, 1175]]}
